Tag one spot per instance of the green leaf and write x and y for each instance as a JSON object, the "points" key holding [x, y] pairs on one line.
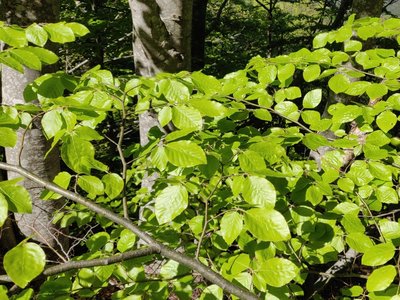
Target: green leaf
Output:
{"points": [[378, 254], [206, 84], [196, 224], [267, 74], [91, 184], [185, 117], [292, 93], [97, 241], [377, 138], [381, 278], [352, 46], [27, 58], [3, 210], [311, 73], [231, 226], [159, 158], [262, 114], [389, 229], [357, 88], [60, 33], [352, 223], [13, 36], [251, 162], [346, 184], [376, 90], [339, 83], [285, 72], [172, 269], [312, 98], [320, 40], [36, 35], [288, 109], [267, 224], [314, 195], [313, 141], [359, 173], [165, 116], [78, 29], [126, 240], [259, 192], [52, 122], [113, 185], [380, 171], [174, 91], [79, 155], [46, 56], [359, 241], [276, 271], [310, 116], [8, 137], [212, 292], [87, 134], [62, 179], [18, 198], [86, 277], [7, 60], [386, 194], [386, 120], [24, 262], [209, 108], [185, 154], [170, 203]]}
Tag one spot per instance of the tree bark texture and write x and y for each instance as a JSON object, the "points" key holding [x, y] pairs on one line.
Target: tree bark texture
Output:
{"points": [[30, 153], [161, 35], [161, 43], [31, 145]]}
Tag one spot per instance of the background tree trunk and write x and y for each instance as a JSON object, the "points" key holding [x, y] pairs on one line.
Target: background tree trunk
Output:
{"points": [[31, 145], [162, 32]]}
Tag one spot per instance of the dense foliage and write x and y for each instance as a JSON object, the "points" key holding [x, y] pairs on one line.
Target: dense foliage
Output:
{"points": [[236, 188]]}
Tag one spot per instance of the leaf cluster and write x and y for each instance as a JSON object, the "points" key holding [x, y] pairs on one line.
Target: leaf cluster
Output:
{"points": [[230, 194]]}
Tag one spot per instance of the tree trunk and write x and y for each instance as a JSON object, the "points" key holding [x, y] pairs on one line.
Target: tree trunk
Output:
{"points": [[161, 35], [31, 145], [162, 32]]}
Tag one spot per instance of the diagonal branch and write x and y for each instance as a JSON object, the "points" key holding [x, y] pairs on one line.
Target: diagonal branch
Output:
{"points": [[104, 261], [164, 250]]}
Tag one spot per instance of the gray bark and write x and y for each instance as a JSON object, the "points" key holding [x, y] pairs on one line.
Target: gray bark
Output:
{"points": [[161, 43], [30, 153], [31, 145], [161, 35]]}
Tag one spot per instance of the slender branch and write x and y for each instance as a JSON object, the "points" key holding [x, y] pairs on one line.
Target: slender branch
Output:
{"points": [[279, 115], [164, 250], [78, 66], [123, 161], [203, 232], [104, 261]]}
